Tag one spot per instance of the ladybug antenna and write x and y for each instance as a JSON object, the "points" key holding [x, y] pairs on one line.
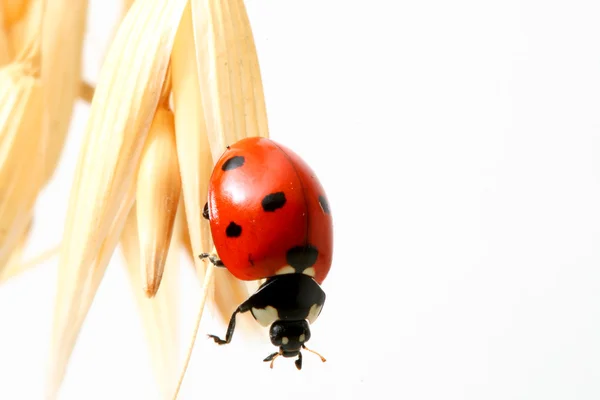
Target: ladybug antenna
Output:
{"points": [[213, 258], [272, 357], [314, 352]]}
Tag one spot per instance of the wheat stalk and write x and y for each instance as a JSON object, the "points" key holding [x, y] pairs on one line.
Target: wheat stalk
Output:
{"points": [[22, 140], [149, 147], [4, 46], [62, 48], [125, 100], [228, 74], [159, 314]]}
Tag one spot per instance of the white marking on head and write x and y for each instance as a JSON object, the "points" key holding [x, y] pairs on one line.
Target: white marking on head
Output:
{"points": [[309, 271], [314, 312], [265, 316], [285, 340], [301, 338], [287, 269]]}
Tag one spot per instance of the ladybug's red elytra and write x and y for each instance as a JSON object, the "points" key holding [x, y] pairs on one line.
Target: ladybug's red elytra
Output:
{"points": [[270, 219]]}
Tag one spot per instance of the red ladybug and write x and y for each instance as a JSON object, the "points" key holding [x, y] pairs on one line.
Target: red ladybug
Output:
{"points": [[270, 218]]}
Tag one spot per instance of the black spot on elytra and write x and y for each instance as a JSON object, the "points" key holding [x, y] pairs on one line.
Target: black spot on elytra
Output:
{"points": [[205, 211], [302, 257], [233, 230], [233, 163], [324, 204], [273, 201]]}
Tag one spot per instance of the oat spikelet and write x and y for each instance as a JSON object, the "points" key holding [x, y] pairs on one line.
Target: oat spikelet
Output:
{"points": [[126, 5], [159, 315], [70, 323], [230, 89], [22, 142], [193, 150], [158, 191], [4, 47], [61, 70], [233, 99], [14, 265], [21, 156], [196, 165], [13, 10], [24, 28], [17, 264], [125, 101], [229, 73]]}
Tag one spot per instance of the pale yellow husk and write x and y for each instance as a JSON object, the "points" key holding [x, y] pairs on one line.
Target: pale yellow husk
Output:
{"points": [[197, 163], [229, 73], [69, 326], [21, 155], [62, 47], [158, 192], [14, 265], [22, 140], [190, 129], [223, 99], [45, 41], [18, 264], [232, 97], [13, 10], [4, 46], [217, 98], [24, 25], [126, 5], [125, 100], [159, 314]]}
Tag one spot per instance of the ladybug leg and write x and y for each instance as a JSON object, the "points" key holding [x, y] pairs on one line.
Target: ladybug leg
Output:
{"points": [[272, 358], [245, 306], [230, 329], [242, 308], [213, 259], [205, 211]]}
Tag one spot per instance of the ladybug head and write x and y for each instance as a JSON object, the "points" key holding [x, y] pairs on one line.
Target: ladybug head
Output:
{"points": [[290, 336]]}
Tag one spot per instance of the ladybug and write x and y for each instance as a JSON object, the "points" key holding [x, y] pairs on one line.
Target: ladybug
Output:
{"points": [[270, 219]]}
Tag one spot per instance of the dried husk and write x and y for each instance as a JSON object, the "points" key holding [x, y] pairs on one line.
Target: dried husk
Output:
{"points": [[21, 155], [159, 314], [13, 10], [33, 31], [125, 100], [158, 192], [196, 160], [62, 48], [232, 96], [68, 324], [24, 26], [229, 73], [228, 87], [14, 265], [126, 5], [22, 141], [193, 149], [4, 47]]}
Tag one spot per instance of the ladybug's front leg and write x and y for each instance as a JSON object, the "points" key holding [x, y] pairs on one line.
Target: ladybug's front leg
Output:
{"points": [[245, 306], [213, 259], [230, 330]]}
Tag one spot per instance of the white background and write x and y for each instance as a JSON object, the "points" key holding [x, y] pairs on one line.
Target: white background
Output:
{"points": [[459, 142]]}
